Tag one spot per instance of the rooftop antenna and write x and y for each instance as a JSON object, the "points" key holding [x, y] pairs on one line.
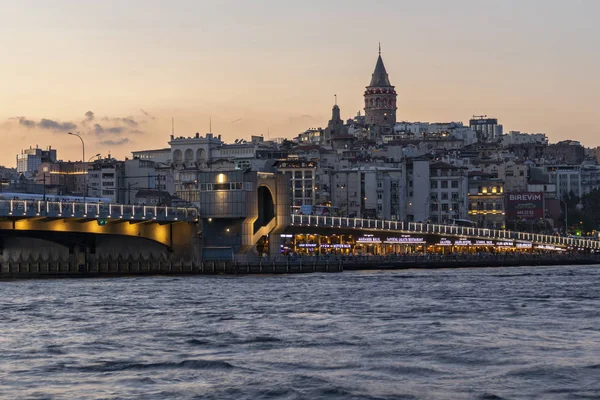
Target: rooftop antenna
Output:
{"points": [[379, 48], [209, 124], [335, 95]]}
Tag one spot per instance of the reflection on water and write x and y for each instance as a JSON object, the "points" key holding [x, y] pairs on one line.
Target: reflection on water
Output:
{"points": [[472, 333]]}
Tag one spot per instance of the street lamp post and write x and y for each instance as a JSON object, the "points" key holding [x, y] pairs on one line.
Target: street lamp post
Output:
{"points": [[82, 144], [566, 217], [85, 182], [44, 195], [83, 161]]}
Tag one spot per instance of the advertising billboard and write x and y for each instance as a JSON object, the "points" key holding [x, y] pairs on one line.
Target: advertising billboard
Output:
{"points": [[527, 205]]}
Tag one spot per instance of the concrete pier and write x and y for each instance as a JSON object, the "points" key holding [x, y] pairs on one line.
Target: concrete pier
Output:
{"points": [[70, 267]]}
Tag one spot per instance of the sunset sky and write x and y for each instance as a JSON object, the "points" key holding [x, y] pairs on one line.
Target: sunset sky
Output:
{"points": [[117, 71]]}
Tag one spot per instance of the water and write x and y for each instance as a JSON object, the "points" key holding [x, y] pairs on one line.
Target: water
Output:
{"points": [[473, 333]]}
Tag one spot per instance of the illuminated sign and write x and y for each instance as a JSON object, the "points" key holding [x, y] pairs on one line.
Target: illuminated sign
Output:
{"points": [[444, 242], [525, 205], [484, 243], [368, 239], [505, 244], [527, 245], [286, 235], [462, 242], [405, 240], [548, 247], [307, 245]]}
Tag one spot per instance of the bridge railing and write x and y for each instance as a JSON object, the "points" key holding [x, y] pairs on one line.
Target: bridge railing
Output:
{"points": [[53, 209], [439, 229]]}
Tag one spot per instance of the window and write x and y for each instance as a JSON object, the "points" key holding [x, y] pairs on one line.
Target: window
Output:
{"points": [[454, 184], [445, 196], [454, 196], [307, 174], [444, 184], [445, 207], [433, 197], [379, 184], [298, 175], [379, 196], [379, 207], [433, 207], [455, 206], [434, 184]]}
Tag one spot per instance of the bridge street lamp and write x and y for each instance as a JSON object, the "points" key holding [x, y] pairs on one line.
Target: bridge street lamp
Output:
{"points": [[83, 161], [566, 217], [86, 172]]}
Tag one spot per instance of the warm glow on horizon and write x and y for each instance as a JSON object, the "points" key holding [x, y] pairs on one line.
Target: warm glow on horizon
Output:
{"points": [[118, 72]]}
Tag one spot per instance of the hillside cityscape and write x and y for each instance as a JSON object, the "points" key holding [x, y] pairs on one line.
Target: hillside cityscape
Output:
{"points": [[374, 165]]}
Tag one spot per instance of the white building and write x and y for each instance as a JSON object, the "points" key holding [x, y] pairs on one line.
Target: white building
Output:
{"points": [[193, 151], [578, 179], [369, 192], [449, 187], [30, 159], [104, 179], [302, 176], [513, 138], [157, 155], [416, 129]]}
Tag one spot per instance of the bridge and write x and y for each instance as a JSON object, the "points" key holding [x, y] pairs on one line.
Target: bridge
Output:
{"points": [[408, 228], [88, 232]]}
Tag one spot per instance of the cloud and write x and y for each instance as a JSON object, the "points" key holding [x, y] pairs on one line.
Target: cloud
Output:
{"points": [[50, 124], [104, 129], [127, 121], [47, 124], [26, 122], [111, 142], [115, 130]]}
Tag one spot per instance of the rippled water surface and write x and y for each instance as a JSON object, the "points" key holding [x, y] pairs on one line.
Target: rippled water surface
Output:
{"points": [[472, 333]]}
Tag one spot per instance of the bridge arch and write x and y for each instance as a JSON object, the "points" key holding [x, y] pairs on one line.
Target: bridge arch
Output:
{"points": [[266, 207]]}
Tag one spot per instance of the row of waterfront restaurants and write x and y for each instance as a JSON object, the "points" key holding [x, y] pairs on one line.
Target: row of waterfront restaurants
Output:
{"points": [[386, 244]]}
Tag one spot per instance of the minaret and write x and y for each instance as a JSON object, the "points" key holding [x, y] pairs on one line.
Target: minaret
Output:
{"points": [[380, 98], [335, 127]]}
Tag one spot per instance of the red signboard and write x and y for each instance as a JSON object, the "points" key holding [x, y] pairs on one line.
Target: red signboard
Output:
{"points": [[527, 205]]}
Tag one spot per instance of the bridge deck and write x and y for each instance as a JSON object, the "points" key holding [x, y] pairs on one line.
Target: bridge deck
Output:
{"points": [[51, 209], [436, 229]]}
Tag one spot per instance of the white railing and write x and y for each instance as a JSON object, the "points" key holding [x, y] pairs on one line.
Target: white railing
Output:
{"points": [[318, 221], [53, 209]]}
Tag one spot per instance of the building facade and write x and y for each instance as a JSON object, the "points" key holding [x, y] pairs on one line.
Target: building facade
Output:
{"points": [[30, 159]]}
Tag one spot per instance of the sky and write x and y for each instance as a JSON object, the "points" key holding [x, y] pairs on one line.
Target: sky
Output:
{"points": [[117, 71]]}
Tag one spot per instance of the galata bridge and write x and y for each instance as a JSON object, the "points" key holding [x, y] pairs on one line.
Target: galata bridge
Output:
{"points": [[87, 233]]}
